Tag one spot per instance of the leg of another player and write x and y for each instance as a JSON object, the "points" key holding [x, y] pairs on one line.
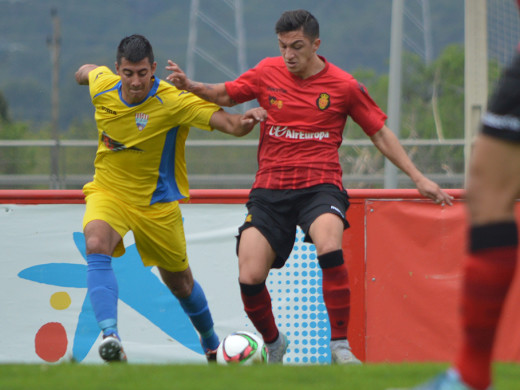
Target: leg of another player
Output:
{"points": [[493, 186], [327, 235], [193, 300], [255, 257]]}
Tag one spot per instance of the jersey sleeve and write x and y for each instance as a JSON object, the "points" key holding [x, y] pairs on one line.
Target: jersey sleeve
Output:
{"points": [[245, 87], [100, 79], [193, 111], [363, 110]]}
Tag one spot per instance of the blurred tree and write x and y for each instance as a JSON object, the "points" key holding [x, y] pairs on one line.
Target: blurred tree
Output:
{"points": [[82, 129], [432, 108], [3, 109], [13, 160]]}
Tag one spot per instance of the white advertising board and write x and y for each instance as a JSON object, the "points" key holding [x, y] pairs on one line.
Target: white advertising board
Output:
{"points": [[47, 316]]}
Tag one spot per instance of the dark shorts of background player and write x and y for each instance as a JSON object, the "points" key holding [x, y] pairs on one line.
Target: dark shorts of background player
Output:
{"points": [[502, 120], [276, 213]]}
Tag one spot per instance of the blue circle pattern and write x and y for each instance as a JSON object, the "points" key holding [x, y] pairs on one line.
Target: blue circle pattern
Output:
{"points": [[298, 307]]}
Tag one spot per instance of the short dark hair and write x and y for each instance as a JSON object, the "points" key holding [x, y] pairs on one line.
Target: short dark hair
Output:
{"points": [[298, 19], [135, 48]]}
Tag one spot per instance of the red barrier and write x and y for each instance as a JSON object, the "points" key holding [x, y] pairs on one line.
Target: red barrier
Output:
{"points": [[196, 196], [413, 278]]}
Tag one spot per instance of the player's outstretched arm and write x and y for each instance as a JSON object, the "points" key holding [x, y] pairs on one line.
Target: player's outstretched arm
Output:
{"points": [[237, 124], [386, 141], [215, 93], [82, 73]]}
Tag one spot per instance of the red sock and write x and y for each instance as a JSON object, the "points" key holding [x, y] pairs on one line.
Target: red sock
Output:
{"points": [[488, 275], [336, 295], [257, 305]]}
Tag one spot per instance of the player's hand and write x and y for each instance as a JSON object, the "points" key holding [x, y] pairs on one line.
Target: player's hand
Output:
{"points": [[432, 190], [177, 77], [251, 117], [257, 114]]}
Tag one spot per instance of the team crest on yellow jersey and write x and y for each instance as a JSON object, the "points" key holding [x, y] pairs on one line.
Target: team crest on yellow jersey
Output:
{"points": [[323, 101], [141, 120]]}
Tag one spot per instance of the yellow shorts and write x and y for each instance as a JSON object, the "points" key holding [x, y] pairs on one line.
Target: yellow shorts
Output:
{"points": [[158, 228]]}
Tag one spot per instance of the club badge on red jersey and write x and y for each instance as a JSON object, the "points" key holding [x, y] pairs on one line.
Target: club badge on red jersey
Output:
{"points": [[323, 101], [273, 101]]}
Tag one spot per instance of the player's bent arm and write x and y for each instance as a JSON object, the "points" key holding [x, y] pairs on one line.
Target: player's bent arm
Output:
{"points": [[237, 124], [388, 144], [82, 73], [215, 93]]}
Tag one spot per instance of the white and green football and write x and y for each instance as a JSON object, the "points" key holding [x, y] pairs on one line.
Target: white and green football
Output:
{"points": [[243, 348]]}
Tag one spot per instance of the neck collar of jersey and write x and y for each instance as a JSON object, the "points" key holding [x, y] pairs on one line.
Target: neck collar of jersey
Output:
{"points": [[314, 76], [151, 92]]}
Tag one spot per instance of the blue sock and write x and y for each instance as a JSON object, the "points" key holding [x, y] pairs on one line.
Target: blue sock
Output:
{"points": [[102, 288], [196, 307]]}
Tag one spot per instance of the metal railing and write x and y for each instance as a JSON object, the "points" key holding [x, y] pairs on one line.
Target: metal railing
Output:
{"points": [[62, 180]]}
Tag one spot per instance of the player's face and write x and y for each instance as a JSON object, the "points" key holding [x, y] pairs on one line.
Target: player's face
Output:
{"points": [[298, 52], [136, 79]]}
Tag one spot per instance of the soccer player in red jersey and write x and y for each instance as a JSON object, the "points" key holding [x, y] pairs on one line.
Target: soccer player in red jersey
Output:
{"points": [[299, 177]]}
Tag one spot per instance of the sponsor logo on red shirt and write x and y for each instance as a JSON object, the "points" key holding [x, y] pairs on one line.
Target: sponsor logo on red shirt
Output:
{"points": [[285, 132]]}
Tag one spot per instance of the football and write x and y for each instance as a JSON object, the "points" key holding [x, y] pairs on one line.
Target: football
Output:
{"points": [[241, 347]]}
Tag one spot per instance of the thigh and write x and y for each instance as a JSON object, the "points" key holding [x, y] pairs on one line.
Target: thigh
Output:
{"points": [[105, 219], [271, 213], [322, 216], [159, 236], [255, 256], [494, 179], [327, 233]]}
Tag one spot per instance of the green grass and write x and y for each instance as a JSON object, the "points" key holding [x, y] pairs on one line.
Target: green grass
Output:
{"points": [[201, 377]]}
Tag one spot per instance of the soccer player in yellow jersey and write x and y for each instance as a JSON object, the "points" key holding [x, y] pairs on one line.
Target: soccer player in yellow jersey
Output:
{"points": [[140, 175]]}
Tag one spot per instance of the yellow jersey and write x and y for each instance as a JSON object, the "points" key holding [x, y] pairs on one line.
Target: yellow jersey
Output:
{"points": [[140, 157]]}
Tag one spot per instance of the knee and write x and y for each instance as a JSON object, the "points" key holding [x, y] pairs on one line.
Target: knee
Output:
{"points": [[252, 272], [326, 248], [250, 278], [97, 244], [181, 289], [328, 244]]}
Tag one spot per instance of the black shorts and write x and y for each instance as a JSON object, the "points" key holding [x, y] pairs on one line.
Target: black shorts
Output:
{"points": [[502, 119], [277, 213]]}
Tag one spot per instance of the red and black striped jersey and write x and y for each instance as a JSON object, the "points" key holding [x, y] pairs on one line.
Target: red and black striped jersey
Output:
{"points": [[300, 139]]}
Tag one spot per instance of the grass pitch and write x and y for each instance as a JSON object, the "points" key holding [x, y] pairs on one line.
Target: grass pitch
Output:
{"points": [[201, 377]]}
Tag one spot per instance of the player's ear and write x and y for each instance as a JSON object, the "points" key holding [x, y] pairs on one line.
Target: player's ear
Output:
{"points": [[154, 66], [316, 44], [117, 68]]}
